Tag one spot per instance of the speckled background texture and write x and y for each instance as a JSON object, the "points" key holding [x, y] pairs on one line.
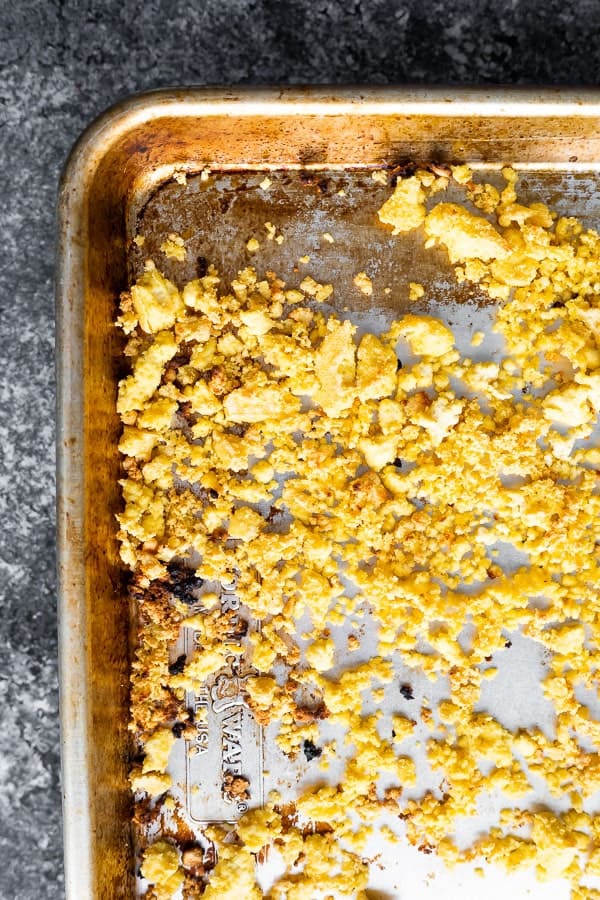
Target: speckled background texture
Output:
{"points": [[61, 63]]}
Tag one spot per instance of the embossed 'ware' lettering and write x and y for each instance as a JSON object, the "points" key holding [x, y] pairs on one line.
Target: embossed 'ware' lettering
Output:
{"points": [[232, 740]]}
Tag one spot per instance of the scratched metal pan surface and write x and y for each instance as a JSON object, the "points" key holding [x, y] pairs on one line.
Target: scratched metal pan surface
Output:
{"points": [[319, 148]]}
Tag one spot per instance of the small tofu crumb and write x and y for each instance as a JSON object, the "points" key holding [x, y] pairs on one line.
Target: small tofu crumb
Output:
{"points": [[160, 867], [380, 176], [387, 290], [266, 183], [279, 239], [180, 177], [174, 247], [205, 174], [252, 245], [270, 229], [415, 290], [327, 237], [341, 192], [477, 338], [319, 291], [140, 240], [364, 283], [304, 259], [405, 209], [461, 174]]}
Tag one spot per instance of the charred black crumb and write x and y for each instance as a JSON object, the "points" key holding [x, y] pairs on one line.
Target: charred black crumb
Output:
{"points": [[177, 667], [397, 462], [202, 266], [558, 304], [407, 691], [213, 494], [183, 581], [311, 751], [508, 645], [178, 729], [488, 658], [399, 365]]}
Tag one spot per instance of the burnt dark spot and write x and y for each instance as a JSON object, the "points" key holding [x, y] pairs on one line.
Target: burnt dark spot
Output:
{"points": [[136, 759], [312, 153], [508, 645], [398, 365], [407, 691], [177, 667], [403, 168], [213, 494], [488, 658], [558, 304], [311, 751], [239, 429], [178, 729], [202, 266], [398, 462], [183, 581]]}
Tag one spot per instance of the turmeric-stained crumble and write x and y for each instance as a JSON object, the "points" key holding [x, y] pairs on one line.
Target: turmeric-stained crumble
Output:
{"points": [[267, 445]]}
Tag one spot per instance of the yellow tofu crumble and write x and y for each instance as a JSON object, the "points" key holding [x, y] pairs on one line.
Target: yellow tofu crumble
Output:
{"points": [[269, 444], [363, 283], [174, 247]]}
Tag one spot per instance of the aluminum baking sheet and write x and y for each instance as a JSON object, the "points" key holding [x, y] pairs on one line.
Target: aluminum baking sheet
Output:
{"points": [[313, 145]]}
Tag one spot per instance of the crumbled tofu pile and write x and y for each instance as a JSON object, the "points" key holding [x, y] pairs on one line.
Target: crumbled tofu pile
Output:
{"points": [[265, 444]]}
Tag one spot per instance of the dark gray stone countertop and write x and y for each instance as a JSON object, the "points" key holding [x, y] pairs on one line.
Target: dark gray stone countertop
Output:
{"points": [[61, 63]]}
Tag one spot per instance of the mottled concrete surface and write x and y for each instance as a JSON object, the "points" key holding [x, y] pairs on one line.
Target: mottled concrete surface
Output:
{"points": [[62, 62]]}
